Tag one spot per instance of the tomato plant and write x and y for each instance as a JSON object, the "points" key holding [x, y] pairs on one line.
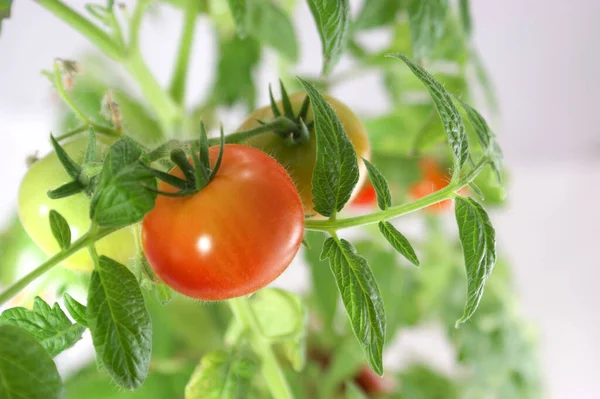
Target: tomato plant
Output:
{"points": [[211, 252], [299, 158], [35, 205], [166, 217]]}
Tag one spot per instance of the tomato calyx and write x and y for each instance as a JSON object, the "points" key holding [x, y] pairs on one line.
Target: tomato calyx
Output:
{"points": [[196, 174], [84, 176], [298, 132]]}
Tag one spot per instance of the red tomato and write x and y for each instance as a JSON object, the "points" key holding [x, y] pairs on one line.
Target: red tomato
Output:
{"points": [[366, 196], [434, 179], [233, 237], [372, 384]]}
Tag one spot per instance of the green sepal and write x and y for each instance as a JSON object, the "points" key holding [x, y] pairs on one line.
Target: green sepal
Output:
{"points": [[66, 190], [72, 168]]}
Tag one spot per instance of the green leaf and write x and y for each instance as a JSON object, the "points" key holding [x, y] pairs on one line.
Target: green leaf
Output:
{"points": [[76, 310], [5, 6], [272, 26], [60, 229], [221, 375], [451, 118], [333, 20], [26, 369], [239, 11], [464, 9], [360, 296], [477, 190], [427, 20], [282, 318], [281, 314], [484, 133], [354, 392], [399, 242], [122, 196], [478, 240], [49, 325], [119, 322], [398, 285], [384, 198], [336, 168], [376, 13], [487, 139], [238, 60]]}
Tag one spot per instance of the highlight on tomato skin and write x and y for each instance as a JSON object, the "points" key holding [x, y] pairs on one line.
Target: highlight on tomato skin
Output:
{"points": [[231, 238]]}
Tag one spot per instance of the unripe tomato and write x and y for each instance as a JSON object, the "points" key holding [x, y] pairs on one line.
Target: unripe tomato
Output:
{"points": [[35, 205], [299, 160], [231, 238]]}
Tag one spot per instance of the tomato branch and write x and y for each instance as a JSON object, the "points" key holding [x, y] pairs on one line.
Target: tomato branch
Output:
{"points": [[84, 26], [272, 372], [178, 82], [398, 210], [97, 128], [83, 241], [167, 111]]}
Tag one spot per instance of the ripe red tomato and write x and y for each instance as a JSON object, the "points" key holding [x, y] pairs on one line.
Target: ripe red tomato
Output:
{"points": [[233, 237], [434, 179]]}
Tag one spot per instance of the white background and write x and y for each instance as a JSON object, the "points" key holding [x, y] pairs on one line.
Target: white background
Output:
{"points": [[544, 57]]}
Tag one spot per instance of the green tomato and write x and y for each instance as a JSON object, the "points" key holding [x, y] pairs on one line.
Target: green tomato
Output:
{"points": [[299, 160], [35, 205]]}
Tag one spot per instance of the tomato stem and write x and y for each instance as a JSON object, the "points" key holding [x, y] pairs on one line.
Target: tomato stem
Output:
{"points": [[97, 128], [178, 82], [281, 123], [84, 26], [272, 372], [167, 110], [447, 192], [83, 241]]}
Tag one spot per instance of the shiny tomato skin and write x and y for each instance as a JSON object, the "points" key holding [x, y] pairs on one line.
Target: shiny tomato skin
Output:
{"points": [[35, 205], [299, 160], [234, 236]]}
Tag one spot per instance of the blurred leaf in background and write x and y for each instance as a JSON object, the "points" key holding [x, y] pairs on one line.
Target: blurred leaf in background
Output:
{"points": [[17, 251], [5, 6]]}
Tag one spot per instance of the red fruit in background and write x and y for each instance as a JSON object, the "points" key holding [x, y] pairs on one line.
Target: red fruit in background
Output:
{"points": [[366, 196]]}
